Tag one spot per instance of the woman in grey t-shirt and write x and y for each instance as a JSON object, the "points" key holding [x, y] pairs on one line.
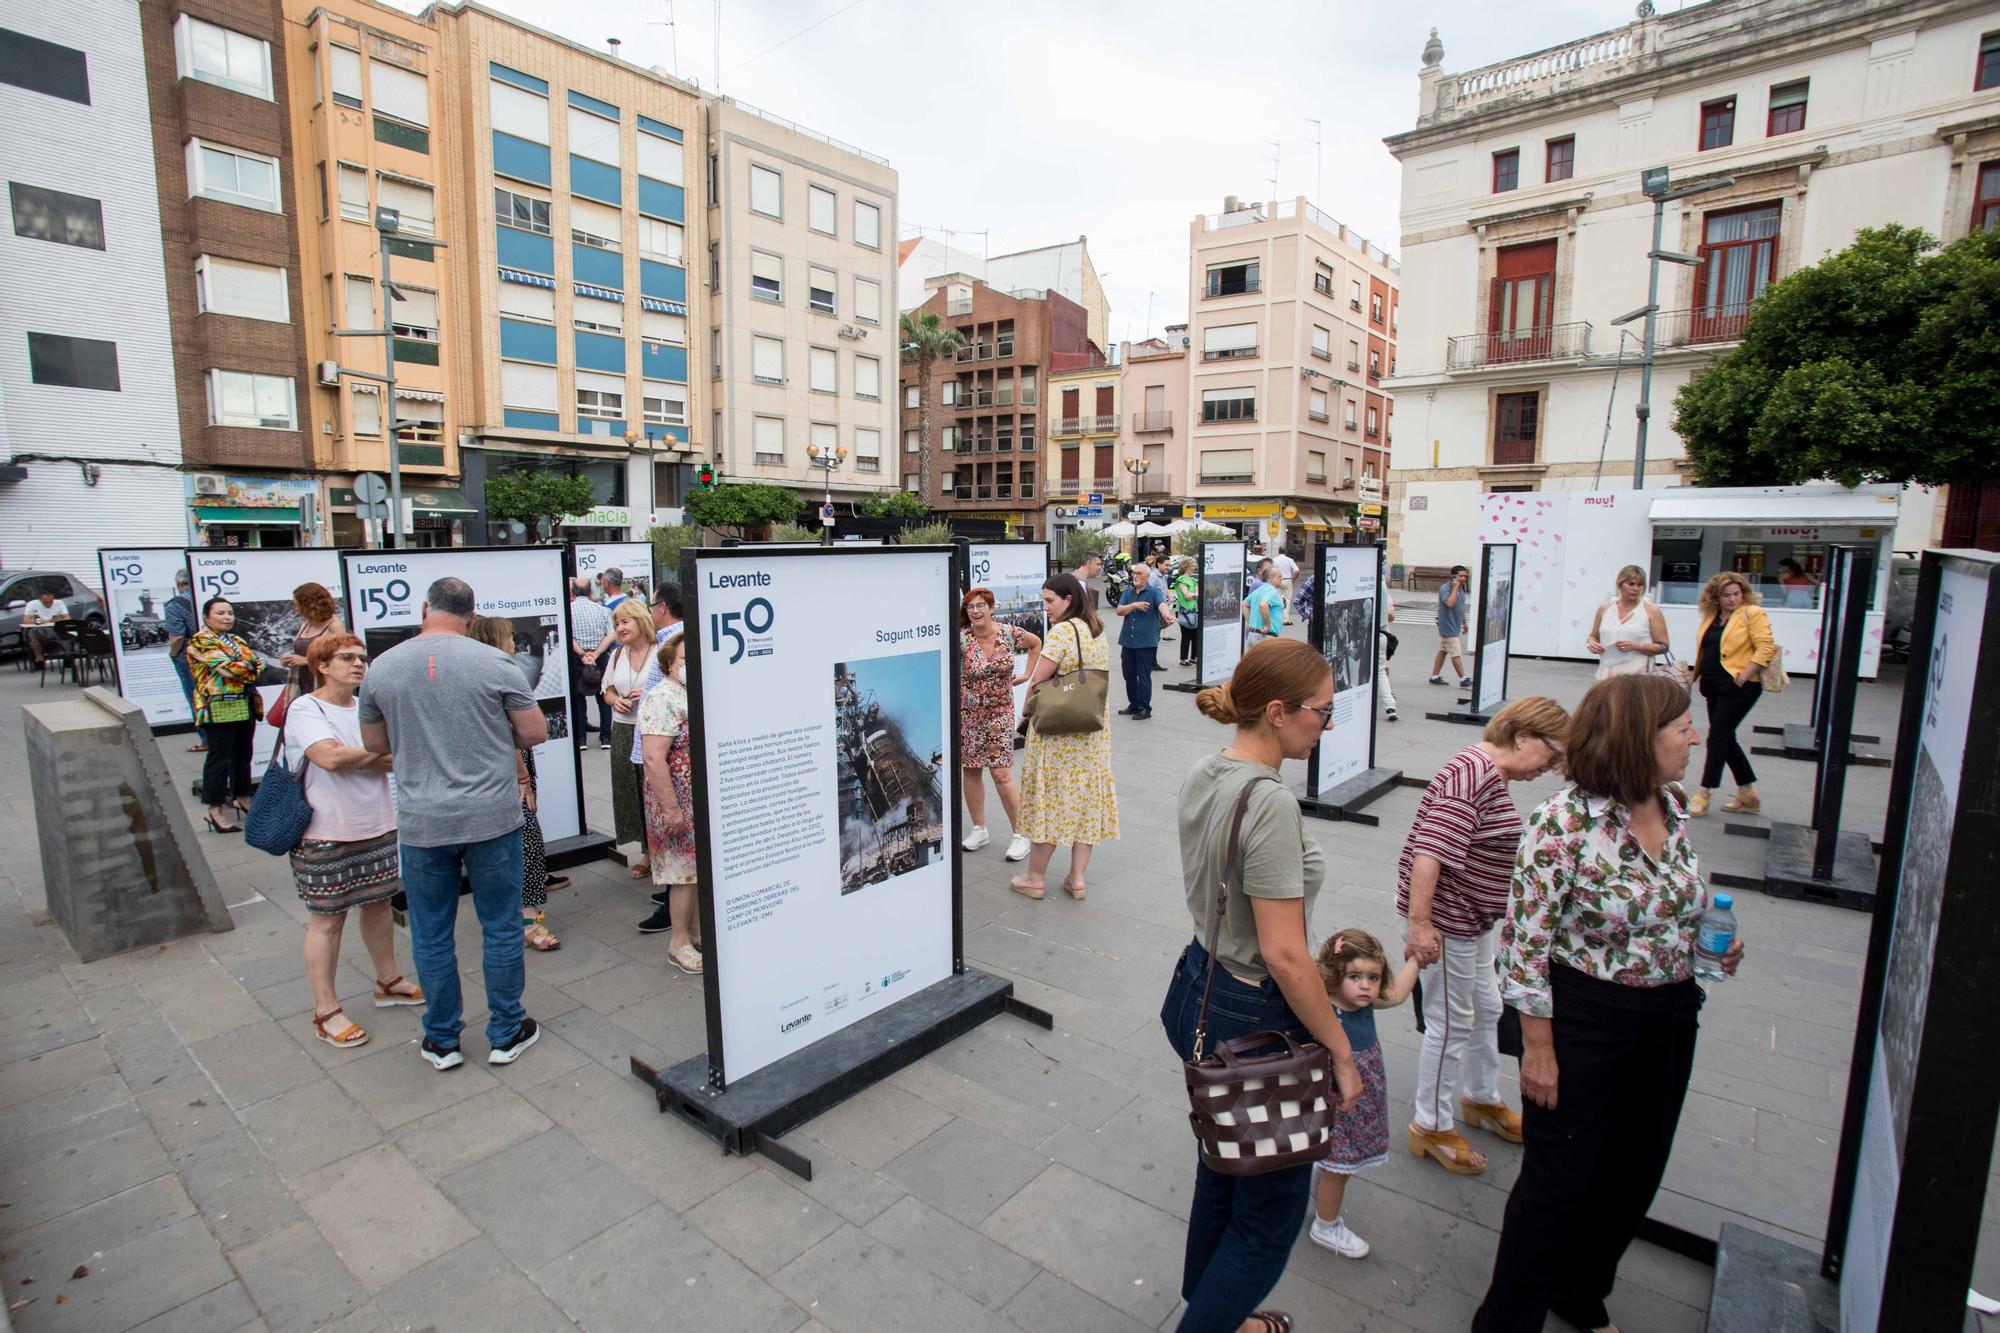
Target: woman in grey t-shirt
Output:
{"points": [[1280, 700]]}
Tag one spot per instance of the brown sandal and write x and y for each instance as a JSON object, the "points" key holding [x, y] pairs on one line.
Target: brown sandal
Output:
{"points": [[1450, 1149], [537, 936], [388, 997], [351, 1035], [1075, 891], [1274, 1321], [1498, 1117]]}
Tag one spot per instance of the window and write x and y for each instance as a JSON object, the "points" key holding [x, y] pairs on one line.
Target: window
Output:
{"points": [[824, 437], [520, 301], [656, 326], [821, 284], [252, 291], [518, 112], [358, 303], [1316, 405], [1561, 159], [665, 241], [529, 388], [662, 159], [593, 137], [909, 441], [1516, 418], [224, 58], [767, 192], [1227, 341], [1506, 171], [44, 67], [257, 402], [947, 482], [1322, 343], [514, 209], [1374, 421], [1237, 279], [867, 377], [867, 225], [354, 194], [346, 76], [599, 396], [825, 371], [1718, 123], [419, 421], [72, 363], [1375, 307], [767, 276], [1374, 365], [399, 92], [1228, 465], [913, 483], [51, 215], [767, 360], [595, 316], [364, 411], [1315, 466], [1988, 73], [1322, 277], [1788, 109], [910, 393], [868, 300], [665, 404], [1522, 308], [1229, 404], [1349, 420], [595, 225], [413, 312], [1353, 354], [1739, 258], [1986, 207], [820, 203], [767, 435], [867, 449], [415, 205], [232, 176]]}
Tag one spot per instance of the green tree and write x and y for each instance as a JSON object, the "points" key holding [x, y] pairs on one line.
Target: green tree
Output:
{"points": [[537, 498], [895, 504], [1881, 363], [925, 339], [793, 532], [738, 506], [1079, 544], [925, 534], [668, 541]]}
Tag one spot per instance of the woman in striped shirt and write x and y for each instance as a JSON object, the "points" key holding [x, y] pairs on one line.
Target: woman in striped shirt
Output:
{"points": [[1452, 890]]}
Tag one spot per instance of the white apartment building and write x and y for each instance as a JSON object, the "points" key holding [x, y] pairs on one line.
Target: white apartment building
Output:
{"points": [[1525, 229], [1065, 267], [802, 274], [90, 441]]}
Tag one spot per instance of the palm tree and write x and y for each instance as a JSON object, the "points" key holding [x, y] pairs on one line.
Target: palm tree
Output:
{"points": [[925, 340]]}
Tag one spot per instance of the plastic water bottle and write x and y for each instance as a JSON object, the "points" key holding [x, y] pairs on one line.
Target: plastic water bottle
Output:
{"points": [[1712, 938]]}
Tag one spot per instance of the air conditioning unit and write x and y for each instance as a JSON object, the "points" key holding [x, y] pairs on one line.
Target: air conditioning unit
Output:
{"points": [[329, 374], [849, 331], [210, 483]]}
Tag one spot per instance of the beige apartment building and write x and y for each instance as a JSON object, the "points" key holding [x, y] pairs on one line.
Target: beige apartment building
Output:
{"points": [[1153, 383], [801, 267], [1292, 331], [1085, 460]]}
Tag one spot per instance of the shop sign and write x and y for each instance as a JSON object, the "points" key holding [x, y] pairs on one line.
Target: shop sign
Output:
{"points": [[604, 516], [1368, 522], [214, 490], [1370, 509], [1250, 509]]}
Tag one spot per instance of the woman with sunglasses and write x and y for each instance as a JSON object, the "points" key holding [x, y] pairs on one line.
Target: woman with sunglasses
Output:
{"points": [[1452, 887], [348, 857]]}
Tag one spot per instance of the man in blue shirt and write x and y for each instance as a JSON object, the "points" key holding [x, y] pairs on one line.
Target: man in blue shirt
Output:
{"points": [[181, 626], [1264, 608], [1452, 597], [1143, 609]]}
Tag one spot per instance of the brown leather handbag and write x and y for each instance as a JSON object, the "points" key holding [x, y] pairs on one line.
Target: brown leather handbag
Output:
{"points": [[1256, 1109]]}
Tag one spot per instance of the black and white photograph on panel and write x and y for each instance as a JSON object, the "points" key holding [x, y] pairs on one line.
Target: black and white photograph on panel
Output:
{"points": [[1919, 902], [1499, 609], [1222, 598], [890, 749], [1350, 643], [1020, 605]]}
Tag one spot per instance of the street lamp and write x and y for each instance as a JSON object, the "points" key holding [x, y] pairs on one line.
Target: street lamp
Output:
{"points": [[1654, 182], [826, 460], [1138, 467]]}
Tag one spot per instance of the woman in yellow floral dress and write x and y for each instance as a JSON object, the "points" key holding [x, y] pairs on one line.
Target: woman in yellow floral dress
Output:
{"points": [[1067, 793]]}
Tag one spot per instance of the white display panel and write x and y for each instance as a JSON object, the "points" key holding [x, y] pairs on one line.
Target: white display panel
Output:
{"points": [[632, 559], [525, 585], [1350, 588], [1014, 572], [1496, 626], [822, 694], [1222, 589], [138, 583], [259, 581]]}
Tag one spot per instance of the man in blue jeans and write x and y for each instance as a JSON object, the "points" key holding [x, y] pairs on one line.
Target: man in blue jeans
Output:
{"points": [[1143, 609], [453, 712]]}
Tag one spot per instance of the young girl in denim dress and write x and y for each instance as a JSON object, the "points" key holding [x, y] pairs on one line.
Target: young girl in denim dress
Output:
{"points": [[1358, 981]]}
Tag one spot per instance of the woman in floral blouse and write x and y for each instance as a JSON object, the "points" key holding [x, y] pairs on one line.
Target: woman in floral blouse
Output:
{"points": [[1597, 954]]}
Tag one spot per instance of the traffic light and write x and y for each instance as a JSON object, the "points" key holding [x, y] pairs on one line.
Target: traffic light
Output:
{"points": [[704, 476]]}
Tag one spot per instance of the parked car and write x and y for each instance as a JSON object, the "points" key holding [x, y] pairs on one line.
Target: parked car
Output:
{"points": [[20, 586]]}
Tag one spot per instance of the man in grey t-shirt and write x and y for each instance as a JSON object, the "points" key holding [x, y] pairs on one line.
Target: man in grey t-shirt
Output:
{"points": [[453, 712], [1452, 600]]}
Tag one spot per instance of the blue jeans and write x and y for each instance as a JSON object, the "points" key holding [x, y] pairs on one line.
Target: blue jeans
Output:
{"points": [[430, 881], [187, 689], [1138, 664], [1240, 1229]]}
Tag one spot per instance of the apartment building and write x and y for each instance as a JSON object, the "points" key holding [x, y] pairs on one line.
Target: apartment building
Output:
{"points": [[367, 110], [988, 402], [1292, 333], [1526, 226], [90, 434], [1064, 267], [218, 81], [567, 171], [1084, 462], [802, 275]]}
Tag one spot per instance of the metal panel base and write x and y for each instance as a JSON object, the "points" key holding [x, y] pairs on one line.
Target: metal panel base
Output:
{"points": [[1764, 1284], [1348, 799], [1788, 869], [1466, 713], [588, 845], [1183, 687], [1800, 743]]}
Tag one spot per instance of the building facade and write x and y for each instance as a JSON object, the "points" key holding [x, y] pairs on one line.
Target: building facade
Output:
{"points": [[568, 172], [1065, 267], [1153, 388], [90, 431], [1526, 230], [801, 265], [1084, 462], [1291, 337]]}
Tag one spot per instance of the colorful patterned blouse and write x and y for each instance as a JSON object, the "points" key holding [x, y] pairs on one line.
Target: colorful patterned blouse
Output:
{"points": [[1587, 896], [224, 666]]}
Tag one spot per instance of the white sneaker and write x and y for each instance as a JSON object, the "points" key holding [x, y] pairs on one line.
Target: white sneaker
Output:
{"points": [[1017, 850], [1335, 1236], [976, 839], [1437, 680]]}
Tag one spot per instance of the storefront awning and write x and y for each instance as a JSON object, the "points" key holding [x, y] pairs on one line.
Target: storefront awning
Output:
{"points": [[1314, 520], [1819, 509], [287, 517], [418, 395], [439, 500]]}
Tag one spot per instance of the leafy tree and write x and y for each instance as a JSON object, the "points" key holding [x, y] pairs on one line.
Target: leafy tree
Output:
{"points": [[741, 505], [668, 540], [1191, 542], [925, 340], [1879, 364], [537, 499], [895, 504], [1079, 544], [793, 532], [926, 534]]}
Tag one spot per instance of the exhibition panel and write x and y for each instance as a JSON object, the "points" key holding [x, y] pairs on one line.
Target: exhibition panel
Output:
{"points": [[259, 582], [138, 583], [633, 560], [1348, 633], [1496, 626], [1223, 575], [1014, 573]]}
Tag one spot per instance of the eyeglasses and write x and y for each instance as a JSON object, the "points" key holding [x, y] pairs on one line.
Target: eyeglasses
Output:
{"points": [[1325, 715], [1555, 750], [359, 659]]}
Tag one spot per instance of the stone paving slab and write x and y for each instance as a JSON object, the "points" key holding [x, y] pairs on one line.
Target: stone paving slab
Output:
{"points": [[171, 1109]]}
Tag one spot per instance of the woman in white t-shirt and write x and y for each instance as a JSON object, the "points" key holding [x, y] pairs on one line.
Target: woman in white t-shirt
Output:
{"points": [[1629, 631], [347, 858]]}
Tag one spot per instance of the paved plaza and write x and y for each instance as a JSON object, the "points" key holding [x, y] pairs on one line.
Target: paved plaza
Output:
{"points": [[171, 1126]]}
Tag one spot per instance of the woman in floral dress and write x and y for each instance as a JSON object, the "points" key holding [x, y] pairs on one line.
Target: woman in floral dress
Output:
{"points": [[1067, 793], [986, 715], [663, 737]]}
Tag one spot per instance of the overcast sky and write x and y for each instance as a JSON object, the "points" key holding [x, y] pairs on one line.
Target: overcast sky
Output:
{"points": [[1028, 123]]}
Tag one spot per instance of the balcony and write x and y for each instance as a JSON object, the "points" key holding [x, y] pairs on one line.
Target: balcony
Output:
{"points": [[1146, 422], [1229, 353], [1354, 365], [1102, 422], [1554, 342], [1696, 328], [1153, 484], [956, 308], [1319, 416], [1239, 287], [1070, 426]]}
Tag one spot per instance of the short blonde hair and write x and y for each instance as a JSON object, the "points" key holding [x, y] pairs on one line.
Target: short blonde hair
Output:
{"points": [[1711, 593], [1535, 715], [634, 610], [1630, 574]]}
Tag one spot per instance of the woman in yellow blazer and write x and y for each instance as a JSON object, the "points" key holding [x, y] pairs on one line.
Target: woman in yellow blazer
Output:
{"points": [[1733, 646]]}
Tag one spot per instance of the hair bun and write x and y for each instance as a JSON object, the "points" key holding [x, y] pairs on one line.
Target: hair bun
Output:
{"points": [[1216, 704]]}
